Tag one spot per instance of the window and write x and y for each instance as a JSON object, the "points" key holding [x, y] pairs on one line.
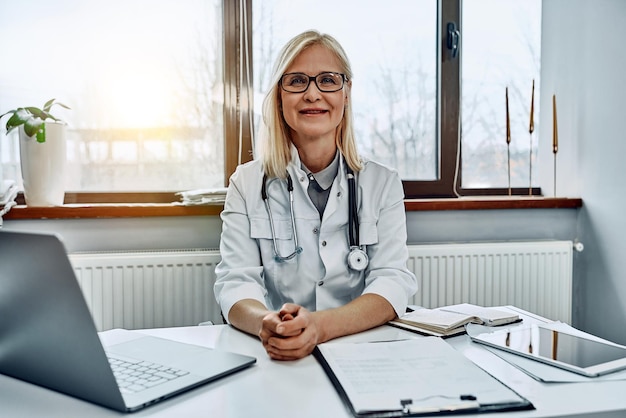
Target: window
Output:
{"points": [[143, 79], [512, 37], [393, 57], [403, 71], [160, 96]]}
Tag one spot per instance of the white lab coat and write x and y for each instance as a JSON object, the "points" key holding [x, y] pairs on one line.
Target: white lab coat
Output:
{"points": [[319, 277]]}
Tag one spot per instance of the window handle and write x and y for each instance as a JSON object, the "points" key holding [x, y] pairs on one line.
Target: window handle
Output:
{"points": [[453, 39]]}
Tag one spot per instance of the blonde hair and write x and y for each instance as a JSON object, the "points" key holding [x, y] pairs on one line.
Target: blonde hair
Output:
{"points": [[276, 145]]}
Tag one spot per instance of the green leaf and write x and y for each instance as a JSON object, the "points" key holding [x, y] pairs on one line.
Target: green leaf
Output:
{"points": [[49, 116], [23, 113], [4, 114], [48, 104], [20, 116], [37, 112], [9, 126], [32, 126], [41, 134]]}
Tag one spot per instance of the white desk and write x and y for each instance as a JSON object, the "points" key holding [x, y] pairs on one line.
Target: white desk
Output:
{"points": [[301, 388]]}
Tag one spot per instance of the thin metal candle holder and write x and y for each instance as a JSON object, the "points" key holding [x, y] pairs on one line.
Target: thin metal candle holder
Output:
{"points": [[508, 138], [531, 129], [555, 137]]}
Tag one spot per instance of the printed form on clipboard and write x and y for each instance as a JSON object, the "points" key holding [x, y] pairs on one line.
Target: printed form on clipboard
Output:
{"points": [[450, 320], [413, 377]]}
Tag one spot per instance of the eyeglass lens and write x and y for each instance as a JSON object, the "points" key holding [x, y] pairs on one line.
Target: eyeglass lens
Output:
{"points": [[299, 82]]}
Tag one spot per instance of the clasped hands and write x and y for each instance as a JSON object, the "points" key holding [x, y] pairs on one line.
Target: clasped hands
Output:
{"points": [[289, 334]]}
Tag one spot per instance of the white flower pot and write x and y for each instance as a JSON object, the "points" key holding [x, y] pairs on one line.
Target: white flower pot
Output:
{"points": [[43, 166]]}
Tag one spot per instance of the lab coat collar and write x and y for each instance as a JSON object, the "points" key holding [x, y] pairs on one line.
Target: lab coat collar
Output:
{"points": [[296, 165], [326, 177]]}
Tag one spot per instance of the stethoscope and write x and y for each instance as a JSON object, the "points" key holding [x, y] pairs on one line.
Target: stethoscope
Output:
{"points": [[357, 257], [277, 257]]}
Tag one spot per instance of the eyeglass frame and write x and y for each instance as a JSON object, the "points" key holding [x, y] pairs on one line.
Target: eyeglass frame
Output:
{"points": [[344, 79]]}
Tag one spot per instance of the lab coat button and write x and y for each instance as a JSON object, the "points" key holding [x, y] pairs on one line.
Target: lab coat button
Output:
{"points": [[323, 243], [301, 179], [316, 231], [320, 283]]}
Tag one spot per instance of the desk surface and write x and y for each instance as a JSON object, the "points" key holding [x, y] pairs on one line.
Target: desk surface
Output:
{"points": [[302, 389]]}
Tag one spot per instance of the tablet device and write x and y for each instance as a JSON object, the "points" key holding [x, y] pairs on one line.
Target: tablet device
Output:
{"points": [[568, 351]]}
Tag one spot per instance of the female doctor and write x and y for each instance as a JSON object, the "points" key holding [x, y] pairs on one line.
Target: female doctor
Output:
{"points": [[313, 243]]}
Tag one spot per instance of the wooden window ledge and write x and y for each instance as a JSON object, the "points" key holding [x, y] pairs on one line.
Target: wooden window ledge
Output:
{"points": [[493, 202], [129, 210]]}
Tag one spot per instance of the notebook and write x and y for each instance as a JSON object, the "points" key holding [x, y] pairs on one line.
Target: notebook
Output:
{"points": [[48, 337]]}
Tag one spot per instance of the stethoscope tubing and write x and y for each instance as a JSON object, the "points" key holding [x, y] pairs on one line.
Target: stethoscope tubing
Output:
{"points": [[353, 216], [298, 249], [357, 258]]}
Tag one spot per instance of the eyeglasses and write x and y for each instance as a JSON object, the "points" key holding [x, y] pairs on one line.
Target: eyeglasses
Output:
{"points": [[299, 82]]}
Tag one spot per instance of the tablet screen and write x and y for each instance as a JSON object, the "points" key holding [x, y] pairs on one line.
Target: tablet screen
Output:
{"points": [[555, 345]]}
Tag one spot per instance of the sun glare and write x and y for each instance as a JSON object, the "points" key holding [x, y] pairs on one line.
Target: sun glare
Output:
{"points": [[134, 88], [135, 70], [137, 99]]}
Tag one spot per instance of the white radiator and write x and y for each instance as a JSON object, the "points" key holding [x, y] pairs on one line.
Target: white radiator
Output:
{"points": [[175, 288], [145, 289], [535, 276]]}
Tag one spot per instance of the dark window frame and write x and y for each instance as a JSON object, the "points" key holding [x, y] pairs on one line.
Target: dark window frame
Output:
{"points": [[237, 109], [449, 182]]}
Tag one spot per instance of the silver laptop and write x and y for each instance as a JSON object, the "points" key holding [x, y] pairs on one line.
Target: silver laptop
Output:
{"points": [[48, 337]]}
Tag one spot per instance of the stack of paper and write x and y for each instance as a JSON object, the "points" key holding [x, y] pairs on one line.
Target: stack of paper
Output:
{"points": [[451, 320], [8, 191], [423, 376], [203, 196]]}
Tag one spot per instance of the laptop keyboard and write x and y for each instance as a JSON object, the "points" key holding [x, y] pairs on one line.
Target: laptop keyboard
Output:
{"points": [[135, 376]]}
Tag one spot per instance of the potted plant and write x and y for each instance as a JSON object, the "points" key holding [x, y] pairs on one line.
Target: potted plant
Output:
{"points": [[42, 153]]}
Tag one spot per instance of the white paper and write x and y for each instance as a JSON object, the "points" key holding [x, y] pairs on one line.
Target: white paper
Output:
{"points": [[377, 376], [489, 315]]}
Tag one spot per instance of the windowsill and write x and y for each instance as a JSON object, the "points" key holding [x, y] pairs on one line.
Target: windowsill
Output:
{"points": [[129, 210], [492, 202]]}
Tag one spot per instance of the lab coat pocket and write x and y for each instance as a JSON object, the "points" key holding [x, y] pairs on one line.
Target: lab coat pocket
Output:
{"points": [[261, 230]]}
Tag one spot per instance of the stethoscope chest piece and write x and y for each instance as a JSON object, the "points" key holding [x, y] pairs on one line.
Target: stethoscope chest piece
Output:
{"points": [[357, 259]]}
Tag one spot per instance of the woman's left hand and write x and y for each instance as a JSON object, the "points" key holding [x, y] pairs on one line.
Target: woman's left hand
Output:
{"points": [[295, 336]]}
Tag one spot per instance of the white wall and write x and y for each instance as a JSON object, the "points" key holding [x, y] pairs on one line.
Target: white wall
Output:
{"points": [[204, 232], [120, 234], [584, 63]]}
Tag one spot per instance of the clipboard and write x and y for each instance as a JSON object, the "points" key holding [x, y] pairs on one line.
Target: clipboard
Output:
{"points": [[416, 377]]}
